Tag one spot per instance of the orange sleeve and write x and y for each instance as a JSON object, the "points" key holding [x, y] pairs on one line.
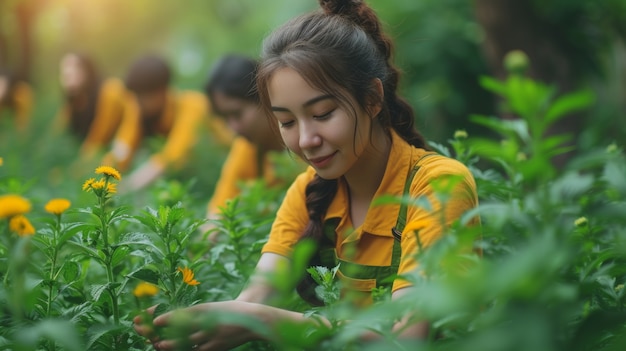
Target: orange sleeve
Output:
{"points": [[23, 105], [291, 218], [109, 111], [219, 130], [462, 198], [189, 119], [240, 165], [127, 137]]}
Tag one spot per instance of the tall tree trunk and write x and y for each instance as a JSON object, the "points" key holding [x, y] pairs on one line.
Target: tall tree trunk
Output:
{"points": [[25, 12]]}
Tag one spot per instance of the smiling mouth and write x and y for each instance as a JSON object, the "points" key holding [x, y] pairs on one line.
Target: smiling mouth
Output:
{"points": [[321, 161]]}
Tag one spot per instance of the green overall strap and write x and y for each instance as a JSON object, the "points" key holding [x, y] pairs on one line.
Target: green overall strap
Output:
{"points": [[328, 254]]}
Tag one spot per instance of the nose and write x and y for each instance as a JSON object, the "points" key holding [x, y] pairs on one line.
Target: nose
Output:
{"points": [[309, 136], [235, 125]]}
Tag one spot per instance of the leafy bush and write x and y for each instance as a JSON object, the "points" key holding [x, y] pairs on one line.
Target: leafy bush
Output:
{"points": [[546, 273]]}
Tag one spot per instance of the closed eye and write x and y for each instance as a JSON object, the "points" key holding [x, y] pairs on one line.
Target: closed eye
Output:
{"points": [[285, 124], [325, 115]]}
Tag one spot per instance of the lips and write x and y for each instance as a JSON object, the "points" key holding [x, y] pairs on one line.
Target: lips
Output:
{"points": [[320, 162]]}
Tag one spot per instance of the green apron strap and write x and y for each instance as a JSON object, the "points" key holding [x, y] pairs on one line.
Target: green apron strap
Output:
{"points": [[401, 221]]}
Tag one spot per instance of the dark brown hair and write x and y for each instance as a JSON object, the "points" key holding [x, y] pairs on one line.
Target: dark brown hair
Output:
{"points": [[81, 115], [235, 76], [148, 74], [339, 50]]}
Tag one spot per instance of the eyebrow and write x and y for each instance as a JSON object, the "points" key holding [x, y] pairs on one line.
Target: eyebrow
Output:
{"points": [[306, 104]]}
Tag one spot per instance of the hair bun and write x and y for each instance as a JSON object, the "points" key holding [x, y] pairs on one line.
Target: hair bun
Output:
{"points": [[339, 7]]}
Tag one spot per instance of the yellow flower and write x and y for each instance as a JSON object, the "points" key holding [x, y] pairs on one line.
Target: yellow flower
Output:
{"points": [[416, 226], [20, 225], [88, 183], [98, 184], [145, 289], [109, 171], [13, 205], [57, 206], [111, 188], [1, 161], [188, 276]]}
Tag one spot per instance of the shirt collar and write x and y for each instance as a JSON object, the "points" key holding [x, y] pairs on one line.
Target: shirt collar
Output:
{"points": [[380, 219]]}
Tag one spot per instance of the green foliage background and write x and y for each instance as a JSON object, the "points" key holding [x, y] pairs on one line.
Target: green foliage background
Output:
{"points": [[543, 283]]}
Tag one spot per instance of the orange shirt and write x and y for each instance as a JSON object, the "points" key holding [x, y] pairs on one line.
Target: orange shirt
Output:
{"points": [[110, 108], [372, 242], [184, 116], [241, 165], [22, 96]]}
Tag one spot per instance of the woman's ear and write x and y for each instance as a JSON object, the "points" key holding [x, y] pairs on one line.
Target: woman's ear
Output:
{"points": [[376, 103]]}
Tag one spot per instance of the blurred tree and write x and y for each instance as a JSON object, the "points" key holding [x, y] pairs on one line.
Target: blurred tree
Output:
{"points": [[567, 41], [17, 33]]}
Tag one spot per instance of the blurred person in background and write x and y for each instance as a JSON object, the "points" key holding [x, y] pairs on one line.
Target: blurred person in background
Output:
{"points": [[93, 108], [158, 110], [16, 101], [232, 92]]}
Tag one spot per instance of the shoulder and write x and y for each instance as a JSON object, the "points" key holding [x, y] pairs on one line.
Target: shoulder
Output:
{"points": [[438, 167], [112, 87], [192, 98], [301, 181]]}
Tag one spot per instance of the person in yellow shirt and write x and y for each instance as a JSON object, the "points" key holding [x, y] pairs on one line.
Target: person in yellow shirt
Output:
{"points": [[159, 110], [231, 90], [328, 80], [93, 108], [16, 100]]}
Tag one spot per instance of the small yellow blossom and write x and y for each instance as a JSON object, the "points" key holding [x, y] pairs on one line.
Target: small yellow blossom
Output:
{"points": [[109, 171], [112, 188], [1, 161], [57, 206], [416, 226], [188, 276], [619, 287], [87, 184], [21, 226], [98, 184], [13, 205], [581, 222], [460, 134], [145, 289]]}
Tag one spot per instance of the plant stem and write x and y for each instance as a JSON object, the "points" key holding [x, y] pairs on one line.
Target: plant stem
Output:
{"points": [[53, 264]]}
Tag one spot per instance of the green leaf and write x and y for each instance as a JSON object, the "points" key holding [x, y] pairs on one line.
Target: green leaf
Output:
{"points": [[87, 250], [63, 333], [120, 253], [493, 85], [142, 239], [569, 103], [147, 275], [97, 290], [70, 271]]}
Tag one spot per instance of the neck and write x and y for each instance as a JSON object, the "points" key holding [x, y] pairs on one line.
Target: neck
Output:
{"points": [[365, 176]]}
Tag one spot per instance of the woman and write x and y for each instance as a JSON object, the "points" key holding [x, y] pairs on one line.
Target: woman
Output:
{"points": [[93, 109], [328, 81], [16, 100], [234, 97]]}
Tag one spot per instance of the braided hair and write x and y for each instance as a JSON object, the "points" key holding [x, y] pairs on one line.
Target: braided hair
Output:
{"points": [[341, 50]]}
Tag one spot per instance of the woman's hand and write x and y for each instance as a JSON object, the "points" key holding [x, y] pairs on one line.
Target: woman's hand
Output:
{"points": [[183, 328]]}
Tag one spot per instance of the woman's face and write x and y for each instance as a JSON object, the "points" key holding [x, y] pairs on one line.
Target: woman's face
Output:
{"points": [[315, 126], [72, 74], [245, 118]]}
